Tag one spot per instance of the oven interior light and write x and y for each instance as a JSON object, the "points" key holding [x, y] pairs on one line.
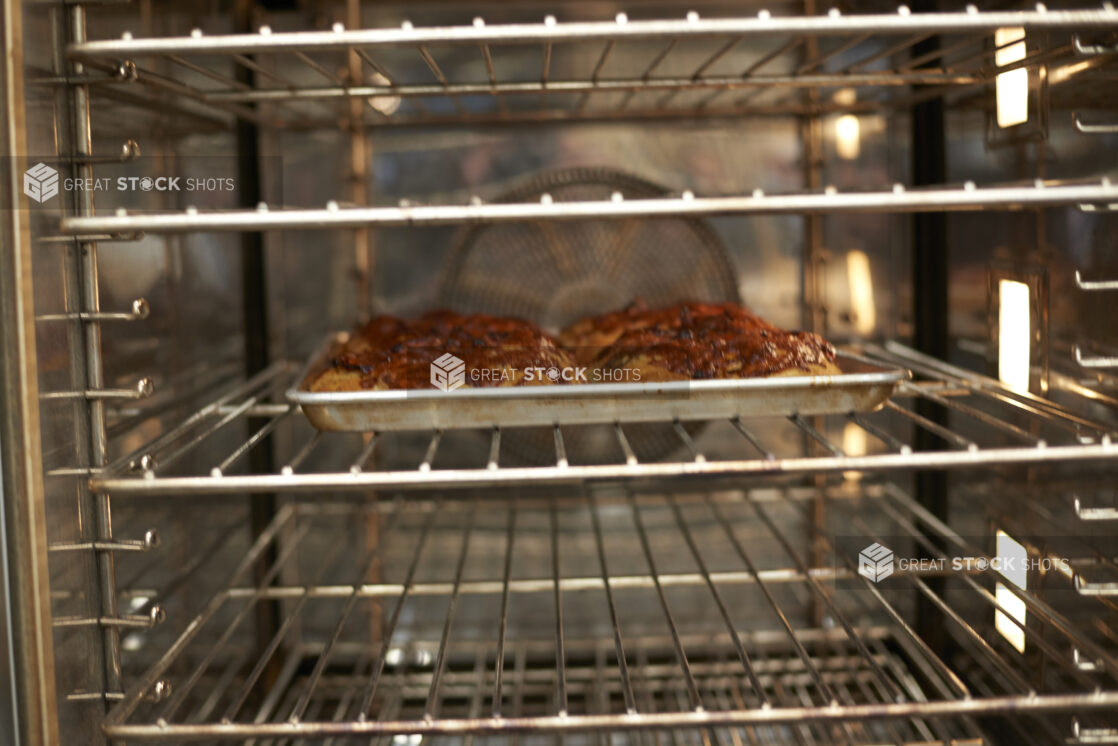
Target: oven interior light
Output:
{"points": [[848, 134], [863, 311], [1013, 566], [853, 444], [1011, 88], [384, 104], [853, 440], [1013, 335], [848, 141]]}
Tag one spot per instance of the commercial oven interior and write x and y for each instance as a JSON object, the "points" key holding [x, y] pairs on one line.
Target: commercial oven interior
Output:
{"points": [[188, 560]]}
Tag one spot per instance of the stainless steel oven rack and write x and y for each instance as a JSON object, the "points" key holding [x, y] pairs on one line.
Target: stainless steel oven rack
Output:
{"points": [[989, 425], [690, 65], [967, 196], [493, 617]]}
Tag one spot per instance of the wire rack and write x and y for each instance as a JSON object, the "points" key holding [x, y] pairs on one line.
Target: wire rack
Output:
{"points": [[620, 68], [1101, 195], [634, 612], [987, 424]]}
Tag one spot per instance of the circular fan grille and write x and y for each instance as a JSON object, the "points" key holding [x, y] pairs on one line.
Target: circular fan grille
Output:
{"points": [[555, 272]]}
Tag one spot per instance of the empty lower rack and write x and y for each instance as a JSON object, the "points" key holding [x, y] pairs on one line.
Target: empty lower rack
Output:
{"points": [[696, 613]]}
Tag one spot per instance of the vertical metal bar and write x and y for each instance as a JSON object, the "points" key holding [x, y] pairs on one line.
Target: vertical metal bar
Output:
{"points": [[254, 313], [24, 581], [681, 655], [811, 137], [494, 461], [622, 663], [499, 664], [324, 565], [560, 448], [518, 697], [351, 601], [491, 72], [648, 702], [432, 449], [743, 656], [560, 644], [431, 708], [623, 442], [930, 311], [798, 646], [171, 706], [386, 643], [813, 285], [545, 72], [360, 156], [598, 686], [90, 299], [480, 670]]}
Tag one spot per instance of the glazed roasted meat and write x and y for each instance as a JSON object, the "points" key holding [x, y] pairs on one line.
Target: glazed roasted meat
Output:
{"points": [[688, 341], [393, 353], [694, 341]]}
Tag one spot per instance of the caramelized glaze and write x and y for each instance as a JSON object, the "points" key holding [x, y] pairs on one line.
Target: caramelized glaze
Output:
{"points": [[684, 341], [698, 341], [395, 353]]}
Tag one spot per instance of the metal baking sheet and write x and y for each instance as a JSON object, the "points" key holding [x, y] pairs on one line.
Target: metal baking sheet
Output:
{"points": [[863, 386]]}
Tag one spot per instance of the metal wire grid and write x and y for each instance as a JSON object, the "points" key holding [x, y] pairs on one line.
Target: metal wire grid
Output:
{"points": [[988, 425], [452, 618], [574, 69]]}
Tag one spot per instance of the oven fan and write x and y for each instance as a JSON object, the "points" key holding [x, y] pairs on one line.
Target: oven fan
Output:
{"points": [[554, 272]]}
